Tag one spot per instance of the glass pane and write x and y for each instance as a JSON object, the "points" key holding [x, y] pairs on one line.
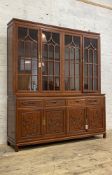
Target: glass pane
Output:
{"points": [[95, 57], [51, 83], [95, 71], [34, 67], [57, 52], [72, 69], [77, 86], [51, 72], [67, 83], [95, 84], [57, 68], [77, 54], [34, 83], [85, 70], [45, 68], [90, 70], [66, 68], [51, 52], [72, 84], [76, 40], [28, 48], [72, 53], [85, 55], [90, 84], [57, 83], [28, 66], [68, 39], [33, 34], [24, 82], [22, 32], [34, 49], [21, 65], [76, 69], [90, 56], [56, 38], [21, 48], [66, 53], [45, 83], [85, 83], [45, 51]]}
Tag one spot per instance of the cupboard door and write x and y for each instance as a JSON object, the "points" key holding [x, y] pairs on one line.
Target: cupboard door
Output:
{"points": [[29, 124], [55, 122], [76, 120], [50, 61], [95, 118], [72, 63], [91, 65], [27, 72]]}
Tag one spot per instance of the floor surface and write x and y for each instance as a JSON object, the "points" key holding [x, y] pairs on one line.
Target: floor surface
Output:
{"points": [[91, 156]]}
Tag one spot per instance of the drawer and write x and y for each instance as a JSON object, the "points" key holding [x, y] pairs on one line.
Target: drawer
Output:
{"points": [[29, 103], [76, 102], [93, 101], [55, 103]]}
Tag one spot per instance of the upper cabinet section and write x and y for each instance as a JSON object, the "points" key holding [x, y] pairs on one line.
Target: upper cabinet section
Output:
{"points": [[52, 60]]}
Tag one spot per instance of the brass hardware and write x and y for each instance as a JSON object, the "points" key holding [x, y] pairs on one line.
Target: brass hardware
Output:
{"points": [[39, 62]]}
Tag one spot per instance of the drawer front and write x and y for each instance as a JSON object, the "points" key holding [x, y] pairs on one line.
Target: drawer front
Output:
{"points": [[54, 103], [29, 103], [76, 102], [93, 101]]}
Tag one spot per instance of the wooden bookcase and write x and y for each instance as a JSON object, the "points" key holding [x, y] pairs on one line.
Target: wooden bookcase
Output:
{"points": [[54, 80]]}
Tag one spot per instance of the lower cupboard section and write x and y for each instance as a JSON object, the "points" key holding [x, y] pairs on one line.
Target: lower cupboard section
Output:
{"points": [[65, 119]]}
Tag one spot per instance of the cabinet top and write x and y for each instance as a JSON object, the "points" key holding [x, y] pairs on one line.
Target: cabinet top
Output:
{"points": [[27, 22]]}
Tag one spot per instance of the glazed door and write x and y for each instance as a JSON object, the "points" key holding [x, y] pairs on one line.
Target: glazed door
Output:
{"points": [[72, 63], [29, 124], [27, 60], [76, 120], [55, 122], [50, 60], [91, 65]]}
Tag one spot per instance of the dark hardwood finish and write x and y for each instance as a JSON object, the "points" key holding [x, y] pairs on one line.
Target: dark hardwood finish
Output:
{"points": [[54, 84]]}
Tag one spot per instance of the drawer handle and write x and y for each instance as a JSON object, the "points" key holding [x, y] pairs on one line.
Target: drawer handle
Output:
{"points": [[53, 101]]}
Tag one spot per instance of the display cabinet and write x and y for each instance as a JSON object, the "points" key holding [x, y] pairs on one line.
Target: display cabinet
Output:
{"points": [[54, 90]]}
